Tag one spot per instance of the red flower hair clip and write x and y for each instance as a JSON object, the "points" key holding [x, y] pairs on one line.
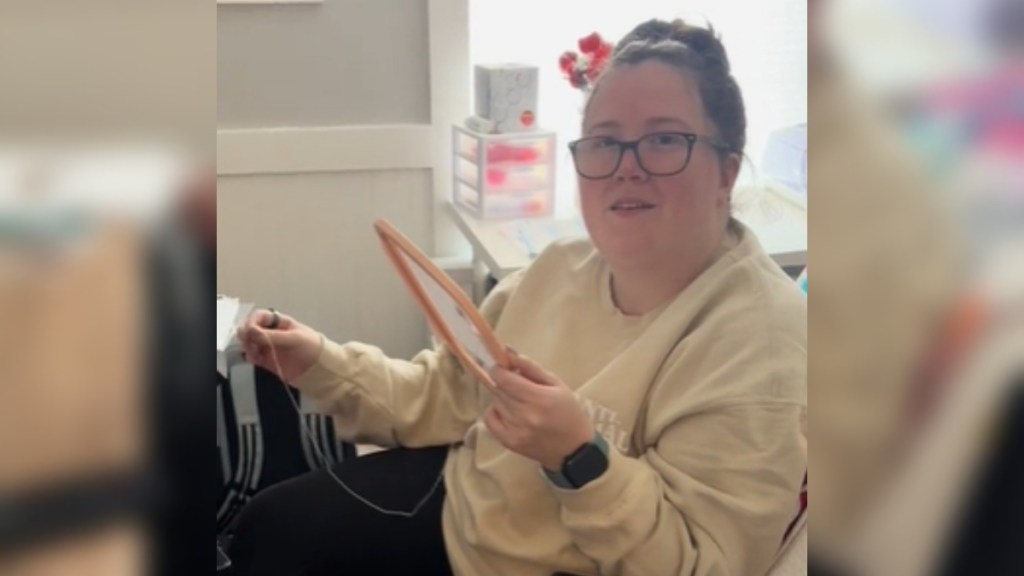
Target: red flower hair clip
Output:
{"points": [[582, 69]]}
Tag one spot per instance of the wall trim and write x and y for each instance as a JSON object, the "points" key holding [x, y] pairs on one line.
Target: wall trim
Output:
{"points": [[256, 151], [242, 152]]}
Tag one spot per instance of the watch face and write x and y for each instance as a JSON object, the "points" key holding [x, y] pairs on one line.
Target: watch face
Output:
{"points": [[586, 465]]}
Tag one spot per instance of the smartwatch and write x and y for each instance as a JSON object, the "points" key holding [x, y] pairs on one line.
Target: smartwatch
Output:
{"points": [[583, 466]]}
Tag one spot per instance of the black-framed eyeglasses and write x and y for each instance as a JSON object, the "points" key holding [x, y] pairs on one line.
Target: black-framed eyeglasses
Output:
{"points": [[657, 154]]}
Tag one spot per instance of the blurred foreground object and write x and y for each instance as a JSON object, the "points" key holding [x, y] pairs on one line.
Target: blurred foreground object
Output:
{"points": [[76, 228], [103, 107], [71, 361], [182, 273], [916, 322]]}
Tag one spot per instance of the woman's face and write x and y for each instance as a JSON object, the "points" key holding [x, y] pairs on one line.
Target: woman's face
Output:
{"points": [[636, 218]]}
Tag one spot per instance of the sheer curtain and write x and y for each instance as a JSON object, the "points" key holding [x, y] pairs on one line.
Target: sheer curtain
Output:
{"points": [[766, 41]]}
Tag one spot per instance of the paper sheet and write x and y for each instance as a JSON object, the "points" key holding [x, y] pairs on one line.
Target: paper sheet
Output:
{"points": [[227, 313], [464, 331], [230, 313], [535, 235]]}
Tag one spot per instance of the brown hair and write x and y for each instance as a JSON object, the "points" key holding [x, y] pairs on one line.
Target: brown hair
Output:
{"points": [[697, 51]]}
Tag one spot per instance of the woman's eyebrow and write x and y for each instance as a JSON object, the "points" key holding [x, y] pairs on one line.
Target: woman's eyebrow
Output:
{"points": [[649, 124], [663, 120], [606, 125]]}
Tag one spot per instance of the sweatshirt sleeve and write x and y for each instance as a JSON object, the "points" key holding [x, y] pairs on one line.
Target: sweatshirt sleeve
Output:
{"points": [[429, 400], [712, 494]]}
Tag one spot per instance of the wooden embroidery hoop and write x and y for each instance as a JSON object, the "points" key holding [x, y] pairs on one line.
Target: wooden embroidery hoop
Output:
{"points": [[403, 253]]}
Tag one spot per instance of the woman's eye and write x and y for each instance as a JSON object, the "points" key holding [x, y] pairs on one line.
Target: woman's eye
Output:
{"points": [[667, 140]]}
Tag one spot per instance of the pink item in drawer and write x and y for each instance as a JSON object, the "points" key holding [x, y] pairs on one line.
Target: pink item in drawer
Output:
{"points": [[507, 153], [496, 177]]}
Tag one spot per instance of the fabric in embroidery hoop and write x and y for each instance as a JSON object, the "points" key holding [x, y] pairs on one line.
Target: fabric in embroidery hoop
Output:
{"points": [[452, 317]]}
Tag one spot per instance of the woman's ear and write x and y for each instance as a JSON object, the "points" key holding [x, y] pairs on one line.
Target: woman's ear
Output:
{"points": [[730, 171]]}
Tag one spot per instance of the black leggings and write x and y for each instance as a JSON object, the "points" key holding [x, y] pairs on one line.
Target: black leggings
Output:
{"points": [[310, 525]]}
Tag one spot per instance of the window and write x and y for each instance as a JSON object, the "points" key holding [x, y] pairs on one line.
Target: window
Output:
{"points": [[766, 41]]}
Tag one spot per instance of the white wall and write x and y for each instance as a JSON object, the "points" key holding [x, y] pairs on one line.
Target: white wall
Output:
{"points": [[331, 116], [304, 243], [342, 62]]}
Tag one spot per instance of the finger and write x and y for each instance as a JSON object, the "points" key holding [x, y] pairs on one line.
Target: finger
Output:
{"points": [[285, 322], [510, 411], [511, 385], [247, 336], [260, 336], [253, 347], [513, 399], [247, 339], [265, 348], [261, 317], [266, 357], [250, 330], [494, 422], [531, 370], [258, 359], [264, 318]]}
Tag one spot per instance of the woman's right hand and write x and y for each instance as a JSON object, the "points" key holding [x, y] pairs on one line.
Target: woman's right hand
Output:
{"points": [[288, 350]]}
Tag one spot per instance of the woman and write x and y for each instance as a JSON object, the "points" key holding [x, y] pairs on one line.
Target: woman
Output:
{"points": [[652, 421]]}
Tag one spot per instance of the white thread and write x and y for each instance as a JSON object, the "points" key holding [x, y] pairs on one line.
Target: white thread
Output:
{"points": [[323, 458]]}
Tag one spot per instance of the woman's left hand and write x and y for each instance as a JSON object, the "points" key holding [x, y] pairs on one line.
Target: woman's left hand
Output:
{"points": [[535, 414]]}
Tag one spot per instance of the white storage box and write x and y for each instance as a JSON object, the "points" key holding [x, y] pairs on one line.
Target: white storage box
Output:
{"points": [[503, 175], [506, 94]]}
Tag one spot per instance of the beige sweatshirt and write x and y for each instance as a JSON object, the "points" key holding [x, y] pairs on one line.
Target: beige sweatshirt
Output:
{"points": [[703, 402]]}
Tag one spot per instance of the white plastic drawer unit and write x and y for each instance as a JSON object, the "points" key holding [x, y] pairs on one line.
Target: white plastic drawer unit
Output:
{"points": [[498, 176]]}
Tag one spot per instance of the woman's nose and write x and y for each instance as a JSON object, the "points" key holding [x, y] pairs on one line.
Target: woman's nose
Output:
{"points": [[629, 166]]}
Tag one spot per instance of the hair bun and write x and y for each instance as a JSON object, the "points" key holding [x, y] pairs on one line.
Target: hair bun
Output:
{"points": [[702, 41], [652, 31]]}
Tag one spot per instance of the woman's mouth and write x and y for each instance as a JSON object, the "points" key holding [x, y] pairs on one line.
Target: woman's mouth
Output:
{"points": [[625, 207]]}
